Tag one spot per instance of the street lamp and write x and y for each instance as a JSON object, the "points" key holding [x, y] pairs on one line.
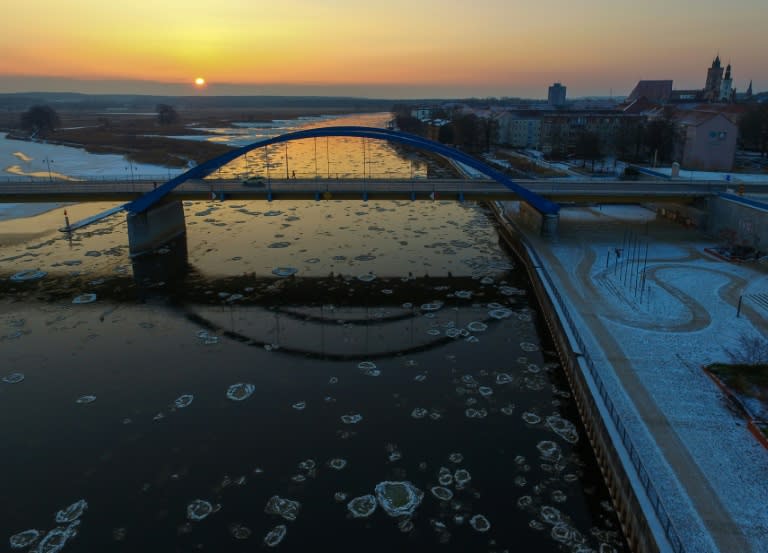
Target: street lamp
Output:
{"points": [[130, 167], [48, 163], [285, 149]]}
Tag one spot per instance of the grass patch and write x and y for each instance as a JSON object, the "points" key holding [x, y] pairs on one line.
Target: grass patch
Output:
{"points": [[747, 380]]}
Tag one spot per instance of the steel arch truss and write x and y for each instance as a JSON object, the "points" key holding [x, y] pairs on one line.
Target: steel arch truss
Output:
{"points": [[541, 204]]}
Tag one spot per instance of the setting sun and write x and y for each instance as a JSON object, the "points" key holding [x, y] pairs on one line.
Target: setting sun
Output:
{"points": [[199, 81]]}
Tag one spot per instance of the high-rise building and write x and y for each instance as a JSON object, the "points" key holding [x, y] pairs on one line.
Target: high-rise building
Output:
{"points": [[556, 96]]}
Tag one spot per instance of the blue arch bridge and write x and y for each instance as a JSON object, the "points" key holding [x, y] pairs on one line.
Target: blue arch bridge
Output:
{"points": [[152, 221]]}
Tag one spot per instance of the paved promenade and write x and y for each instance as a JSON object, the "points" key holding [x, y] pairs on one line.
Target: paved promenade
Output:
{"points": [[649, 338]]}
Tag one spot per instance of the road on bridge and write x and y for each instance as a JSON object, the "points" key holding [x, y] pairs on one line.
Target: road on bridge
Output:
{"points": [[561, 190]]}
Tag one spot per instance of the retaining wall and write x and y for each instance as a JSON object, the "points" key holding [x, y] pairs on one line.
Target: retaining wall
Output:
{"points": [[646, 526], [748, 219]]}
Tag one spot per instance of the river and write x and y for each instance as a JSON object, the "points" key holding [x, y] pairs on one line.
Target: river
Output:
{"points": [[323, 376]]}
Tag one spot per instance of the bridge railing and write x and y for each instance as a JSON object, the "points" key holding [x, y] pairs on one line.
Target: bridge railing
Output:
{"points": [[277, 175], [642, 472], [37, 179], [41, 187]]}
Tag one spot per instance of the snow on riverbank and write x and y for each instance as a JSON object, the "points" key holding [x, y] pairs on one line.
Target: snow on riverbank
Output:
{"points": [[668, 326], [19, 158], [39, 159]]}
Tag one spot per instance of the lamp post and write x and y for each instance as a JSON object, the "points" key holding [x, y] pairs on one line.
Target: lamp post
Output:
{"points": [[48, 163], [285, 149], [130, 168]]}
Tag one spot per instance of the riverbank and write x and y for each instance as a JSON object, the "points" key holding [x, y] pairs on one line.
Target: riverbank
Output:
{"points": [[649, 324], [141, 139], [21, 223]]}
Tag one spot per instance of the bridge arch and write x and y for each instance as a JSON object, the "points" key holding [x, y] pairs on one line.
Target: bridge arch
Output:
{"points": [[541, 204]]}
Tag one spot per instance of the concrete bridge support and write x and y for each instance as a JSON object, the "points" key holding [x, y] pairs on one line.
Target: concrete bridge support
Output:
{"points": [[155, 227], [545, 223], [549, 223], [157, 240]]}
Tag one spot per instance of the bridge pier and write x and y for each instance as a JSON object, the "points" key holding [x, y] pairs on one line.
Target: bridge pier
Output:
{"points": [[155, 227], [549, 222], [544, 223]]}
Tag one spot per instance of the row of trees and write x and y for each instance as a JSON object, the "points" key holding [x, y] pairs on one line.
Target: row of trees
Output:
{"points": [[753, 129], [469, 132], [634, 141], [654, 140]]}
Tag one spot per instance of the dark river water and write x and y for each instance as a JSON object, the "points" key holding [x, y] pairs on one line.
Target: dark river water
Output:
{"points": [[310, 376]]}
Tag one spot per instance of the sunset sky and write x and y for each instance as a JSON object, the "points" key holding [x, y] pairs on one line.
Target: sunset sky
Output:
{"points": [[393, 49]]}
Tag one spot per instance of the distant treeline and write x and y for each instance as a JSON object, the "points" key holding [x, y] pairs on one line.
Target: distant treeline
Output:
{"points": [[87, 102]]}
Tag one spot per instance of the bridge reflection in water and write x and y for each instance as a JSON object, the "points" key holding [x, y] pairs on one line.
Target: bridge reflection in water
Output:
{"points": [[334, 318]]}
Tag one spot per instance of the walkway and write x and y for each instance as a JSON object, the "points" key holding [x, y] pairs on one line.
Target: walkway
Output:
{"points": [[649, 343]]}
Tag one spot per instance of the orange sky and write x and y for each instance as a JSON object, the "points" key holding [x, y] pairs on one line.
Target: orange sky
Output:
{"points": [[447, 48]]}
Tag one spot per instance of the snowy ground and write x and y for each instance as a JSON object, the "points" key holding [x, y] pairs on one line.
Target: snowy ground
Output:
{"points": [[34, 159], [713, 175], [665, 316]]}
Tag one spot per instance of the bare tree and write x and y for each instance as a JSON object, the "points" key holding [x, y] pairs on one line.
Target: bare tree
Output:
{"points": [[166, 115], [588, 148], [750, 350], [40, 119]]}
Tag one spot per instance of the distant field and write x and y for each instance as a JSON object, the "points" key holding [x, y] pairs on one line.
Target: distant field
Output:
{"points": [[139, 137]]}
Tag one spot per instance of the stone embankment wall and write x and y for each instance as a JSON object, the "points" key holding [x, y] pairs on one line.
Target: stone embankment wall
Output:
{"points": [[746, 219], [645, 531]]}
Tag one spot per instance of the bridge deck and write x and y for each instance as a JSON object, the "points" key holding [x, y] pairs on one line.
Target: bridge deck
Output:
{"points": [[565, 191]]}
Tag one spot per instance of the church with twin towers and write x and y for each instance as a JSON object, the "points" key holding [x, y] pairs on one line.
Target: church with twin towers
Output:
{"points": [[719, 87]]}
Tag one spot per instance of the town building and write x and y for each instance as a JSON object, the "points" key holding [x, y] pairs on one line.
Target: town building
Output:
{"points": [[519, 129], [422, 113], [560, 131], [658, 92], [718, 88], [707, 140]]}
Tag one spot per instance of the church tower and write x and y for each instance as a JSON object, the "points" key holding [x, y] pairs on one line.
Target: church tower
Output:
{"points": [[714, 81], [726, 88]]}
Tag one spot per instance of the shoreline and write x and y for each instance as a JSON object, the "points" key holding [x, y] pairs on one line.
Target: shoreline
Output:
{"points": [[640, 360], [33, 221], [9, 212]]}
